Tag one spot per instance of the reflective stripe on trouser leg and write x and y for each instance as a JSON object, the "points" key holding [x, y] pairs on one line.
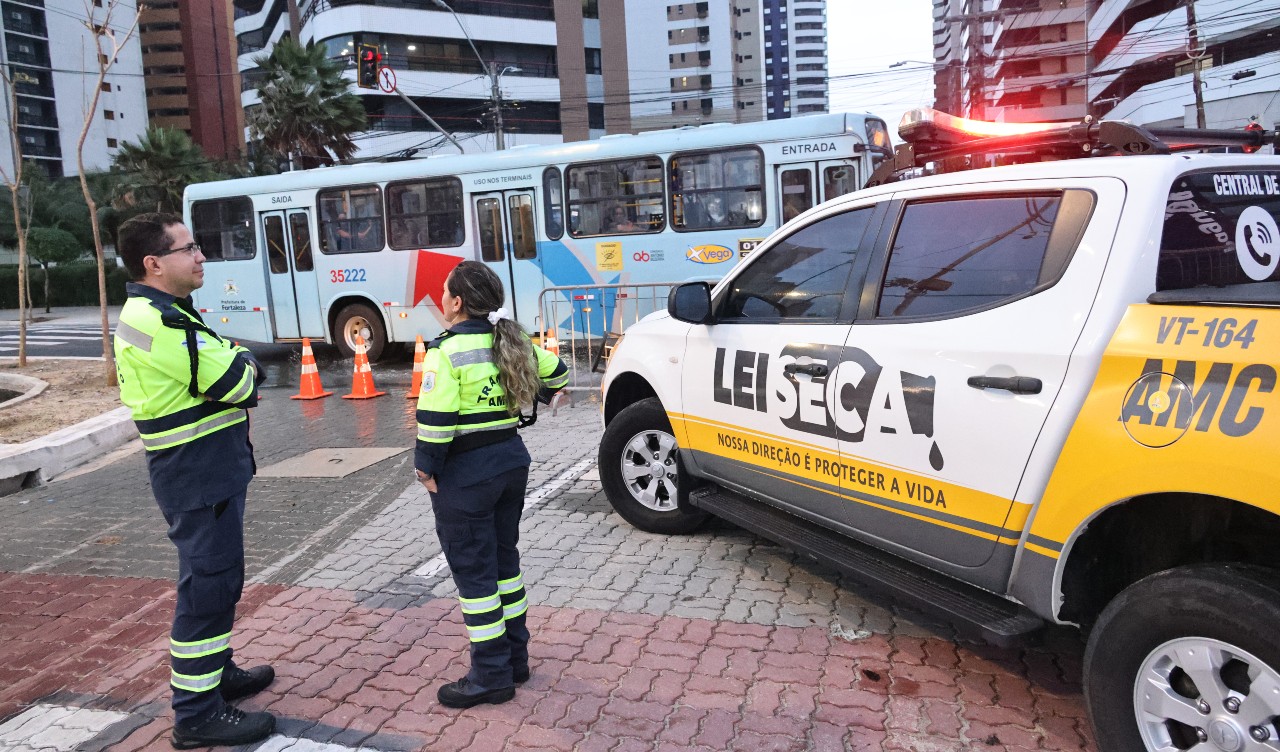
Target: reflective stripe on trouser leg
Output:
{"points": [[514, 607], [464, 522], [210, 579], [483, 617]]}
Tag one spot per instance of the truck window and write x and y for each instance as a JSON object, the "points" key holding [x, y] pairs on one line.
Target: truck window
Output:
{"points": [[802, 277], [960, 255], [1220, 229]]}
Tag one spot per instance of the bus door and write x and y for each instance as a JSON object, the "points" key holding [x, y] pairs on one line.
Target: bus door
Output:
{"points": [[295, 296], [797, 192], [505, 231]]}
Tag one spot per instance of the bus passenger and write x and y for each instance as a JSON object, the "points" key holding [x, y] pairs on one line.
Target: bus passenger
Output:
{"points": [[478, 375], [619, 221]]}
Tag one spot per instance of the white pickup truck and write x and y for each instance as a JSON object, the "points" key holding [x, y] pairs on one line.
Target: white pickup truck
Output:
{"points": [[1042, 392]]}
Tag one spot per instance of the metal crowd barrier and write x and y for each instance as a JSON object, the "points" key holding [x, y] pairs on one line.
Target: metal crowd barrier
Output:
{"points": [[583, 322]]}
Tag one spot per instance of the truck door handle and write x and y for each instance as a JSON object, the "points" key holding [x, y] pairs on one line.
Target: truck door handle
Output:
{"points": [[811, 369], [1015, 384]]}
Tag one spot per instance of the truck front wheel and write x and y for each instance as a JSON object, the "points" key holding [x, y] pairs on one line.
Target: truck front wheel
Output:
{"points": [[1188, 658], [639, 470]]}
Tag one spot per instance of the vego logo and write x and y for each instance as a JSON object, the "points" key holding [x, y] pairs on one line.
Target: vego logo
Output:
{"points": [[708, 254]]}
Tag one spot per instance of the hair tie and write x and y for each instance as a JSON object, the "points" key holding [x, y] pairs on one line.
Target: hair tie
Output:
{"points": [[498, 315]]}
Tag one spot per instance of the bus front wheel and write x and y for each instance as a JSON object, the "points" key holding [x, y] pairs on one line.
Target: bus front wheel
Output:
{"points": [[360, 320]]}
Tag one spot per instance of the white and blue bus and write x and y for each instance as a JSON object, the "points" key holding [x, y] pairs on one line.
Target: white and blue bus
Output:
{"points": [[336, 252]]}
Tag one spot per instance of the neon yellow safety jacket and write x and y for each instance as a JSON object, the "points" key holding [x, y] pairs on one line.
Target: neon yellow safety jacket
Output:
{"points": [[462, 405], [189, 391]]}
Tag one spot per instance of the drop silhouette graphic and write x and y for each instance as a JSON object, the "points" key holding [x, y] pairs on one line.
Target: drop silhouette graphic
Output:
{"points": [[935, 457]]}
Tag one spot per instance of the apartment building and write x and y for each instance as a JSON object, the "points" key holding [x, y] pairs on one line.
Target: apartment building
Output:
{"points": [[1011, 60], [1144, 66], [52, 99], [1062, 60], [190, 75], [558, 71], [742, 61]]}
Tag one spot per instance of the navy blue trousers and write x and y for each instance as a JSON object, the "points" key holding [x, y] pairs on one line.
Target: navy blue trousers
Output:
{"points": [[479, 527], [210, 543]]}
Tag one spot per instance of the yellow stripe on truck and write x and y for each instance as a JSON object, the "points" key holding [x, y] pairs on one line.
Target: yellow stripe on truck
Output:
{"points": [[798, 462]]}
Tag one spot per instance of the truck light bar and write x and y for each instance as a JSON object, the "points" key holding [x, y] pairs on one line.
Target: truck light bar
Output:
{"points": [[946, 143]]}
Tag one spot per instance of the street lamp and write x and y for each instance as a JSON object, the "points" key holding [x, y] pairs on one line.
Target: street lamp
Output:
{"points": [[491, 70]]}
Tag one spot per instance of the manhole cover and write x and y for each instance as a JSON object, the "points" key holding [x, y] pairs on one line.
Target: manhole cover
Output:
{"points": [[337, 462]]}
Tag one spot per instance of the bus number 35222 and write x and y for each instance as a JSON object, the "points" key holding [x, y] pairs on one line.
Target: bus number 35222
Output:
{"points": [[346, 275]]}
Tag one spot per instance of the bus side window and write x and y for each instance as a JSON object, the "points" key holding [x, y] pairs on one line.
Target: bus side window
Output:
{"points": [[351, 219], [797, 193], [224, 228], [601, 194], [523, 243], [553, 198], [425, 213], [489, 224], [839, 180], [719, 189]]}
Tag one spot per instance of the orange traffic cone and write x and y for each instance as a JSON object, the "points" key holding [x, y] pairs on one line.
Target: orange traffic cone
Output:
{"points": [[362, 378], [550, 343], [419, 355], [309, 386]]}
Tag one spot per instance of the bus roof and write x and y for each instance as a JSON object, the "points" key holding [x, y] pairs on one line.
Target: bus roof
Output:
{"points": [[608, 147]]}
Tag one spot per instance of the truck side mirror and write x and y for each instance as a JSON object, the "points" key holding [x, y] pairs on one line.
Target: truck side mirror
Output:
{"points": [[691, 303]]}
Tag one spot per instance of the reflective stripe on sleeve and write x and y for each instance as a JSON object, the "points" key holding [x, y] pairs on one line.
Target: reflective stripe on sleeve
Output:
{"points": [[199, 648], [243, 390], [188, 433], [487, 631], [133, 336], [196, 683]]}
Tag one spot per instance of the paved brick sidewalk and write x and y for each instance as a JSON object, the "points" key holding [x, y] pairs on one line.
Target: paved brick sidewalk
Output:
{"points": [[713, 641]]}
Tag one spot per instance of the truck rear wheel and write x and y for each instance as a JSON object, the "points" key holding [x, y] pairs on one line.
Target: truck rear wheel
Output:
{"points": [[358, 319], [639, 470], [1188, 658]]}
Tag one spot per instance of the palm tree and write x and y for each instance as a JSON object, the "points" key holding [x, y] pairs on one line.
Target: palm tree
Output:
{"points": [[307, 112], [155, 171]]}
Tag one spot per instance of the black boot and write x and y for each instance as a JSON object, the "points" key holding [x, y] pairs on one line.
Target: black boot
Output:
{"points": [[237, 683], [464, 694], [520, 674], [228, 728]]}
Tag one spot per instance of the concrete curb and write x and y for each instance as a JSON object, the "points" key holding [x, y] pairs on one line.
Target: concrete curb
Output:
{"points": [[30, 464], [28, 385]]}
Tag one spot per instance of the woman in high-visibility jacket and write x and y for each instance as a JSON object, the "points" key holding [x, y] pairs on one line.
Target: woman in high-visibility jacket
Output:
{"points": [[476, 377]]}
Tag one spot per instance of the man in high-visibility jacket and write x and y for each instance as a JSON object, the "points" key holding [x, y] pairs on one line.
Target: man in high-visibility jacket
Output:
{"points": [[189, 391]]}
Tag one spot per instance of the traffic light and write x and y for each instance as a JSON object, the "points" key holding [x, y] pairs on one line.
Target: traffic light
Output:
{"points": [[367, 65]]}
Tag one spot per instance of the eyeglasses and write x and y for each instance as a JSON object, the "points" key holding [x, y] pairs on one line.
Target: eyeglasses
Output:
{"points": [[191, 249]]}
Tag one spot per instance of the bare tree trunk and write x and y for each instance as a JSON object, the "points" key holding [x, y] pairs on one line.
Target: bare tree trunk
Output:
{"points": [[100, 32], [45, 267], [15, 187]]}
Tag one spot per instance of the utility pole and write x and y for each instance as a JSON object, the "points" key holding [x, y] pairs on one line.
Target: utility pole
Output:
{"points": [[496, 95], [1195, 53]]}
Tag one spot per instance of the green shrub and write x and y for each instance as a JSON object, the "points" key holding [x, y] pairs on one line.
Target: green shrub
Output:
{"points": [[69, 285]]}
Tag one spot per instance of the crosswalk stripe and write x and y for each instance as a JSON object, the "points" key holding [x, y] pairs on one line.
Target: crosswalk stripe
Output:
{"points": [[45, 727]]}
